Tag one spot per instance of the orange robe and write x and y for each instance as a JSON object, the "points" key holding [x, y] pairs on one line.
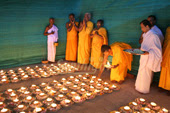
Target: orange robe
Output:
{"points": [[71, 47], [84, 45], [164, 81], [122, 58], [97, 42]]}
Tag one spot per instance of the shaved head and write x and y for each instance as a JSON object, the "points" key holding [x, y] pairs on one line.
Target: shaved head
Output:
{"points": [[87, 16]]}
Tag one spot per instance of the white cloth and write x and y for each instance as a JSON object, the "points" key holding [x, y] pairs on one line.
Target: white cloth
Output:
{"points": [[144, 79], [149, 63], [51, 39], [159, 32]]}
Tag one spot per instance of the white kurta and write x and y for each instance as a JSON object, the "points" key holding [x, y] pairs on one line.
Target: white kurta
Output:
{"points": [[159, 32], [149, 63], [51, 39]]}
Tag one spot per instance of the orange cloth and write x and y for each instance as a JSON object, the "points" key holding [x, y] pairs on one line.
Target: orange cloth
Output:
{"points": [[97, 42], [122, 58], [84, 45], [164, 81], [71, 47]]}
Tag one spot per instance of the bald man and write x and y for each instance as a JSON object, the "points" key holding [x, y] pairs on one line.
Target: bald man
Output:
{"points": [[84, 44]]}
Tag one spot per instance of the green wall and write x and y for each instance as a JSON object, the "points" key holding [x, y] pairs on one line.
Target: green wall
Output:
{"points": [[22, 23]]}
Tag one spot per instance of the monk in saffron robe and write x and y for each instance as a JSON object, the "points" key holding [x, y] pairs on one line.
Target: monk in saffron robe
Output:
{"points": [[121, 61], [72, 38], [164, 81], [84, 45], [99, 37]]}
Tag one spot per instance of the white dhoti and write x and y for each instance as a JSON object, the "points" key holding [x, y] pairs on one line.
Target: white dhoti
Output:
{"points": [[149, 63], [144, 79], [51, 40], [51, 51]]}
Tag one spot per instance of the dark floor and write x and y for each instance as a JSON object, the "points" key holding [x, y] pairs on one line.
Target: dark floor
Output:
{"points": [[106, 102]]}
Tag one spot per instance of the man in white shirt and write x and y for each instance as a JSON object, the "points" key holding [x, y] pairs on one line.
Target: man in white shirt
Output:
{"points": [[151, 60], [51, 32], [152, 20]]}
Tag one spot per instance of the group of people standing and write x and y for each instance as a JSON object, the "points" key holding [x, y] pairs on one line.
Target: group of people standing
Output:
{"points": [[90, 40], [86, 44]]}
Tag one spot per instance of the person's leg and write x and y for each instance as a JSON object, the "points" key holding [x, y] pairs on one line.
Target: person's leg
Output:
{"points": [[143, 80]]}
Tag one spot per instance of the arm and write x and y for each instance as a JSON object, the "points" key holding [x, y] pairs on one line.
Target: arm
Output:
{"points": [[102, 66], [81, 27], [74, 24], [92, 33], [69, 27], [46, 31], [141, 38], [84, 23], [96, 33], [145, 53], [89, 27]]}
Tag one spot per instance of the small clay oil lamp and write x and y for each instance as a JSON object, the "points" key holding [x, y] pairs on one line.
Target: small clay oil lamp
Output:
{"points": [[48, 89], [107, 90], [64, 90], [54, 82], [78, 99], [5, 110], [54, 107], [37, 91], [9, 91], [163, 110], [66, 102], [60, 97], [76, 81], [28, 99], [43, 85], [2, 105], [41, 96], [48, 101], [22, 89], [36, 104], [33, 87], [63, 80], [15, 79]]}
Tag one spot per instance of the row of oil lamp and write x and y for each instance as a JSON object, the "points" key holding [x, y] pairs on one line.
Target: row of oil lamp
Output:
{"points": [[54, 95], [141, 105], [37, 72]]}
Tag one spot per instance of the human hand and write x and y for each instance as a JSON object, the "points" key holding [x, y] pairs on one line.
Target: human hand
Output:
{"points": [[84, 22], [98, 76], [96, 32], [114, 66], [145, 53], [52, 32], [73, 21]]}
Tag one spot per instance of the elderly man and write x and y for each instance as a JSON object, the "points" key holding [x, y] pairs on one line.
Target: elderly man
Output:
{"points": [[151, 60], [52, 32], [84, 44]]}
